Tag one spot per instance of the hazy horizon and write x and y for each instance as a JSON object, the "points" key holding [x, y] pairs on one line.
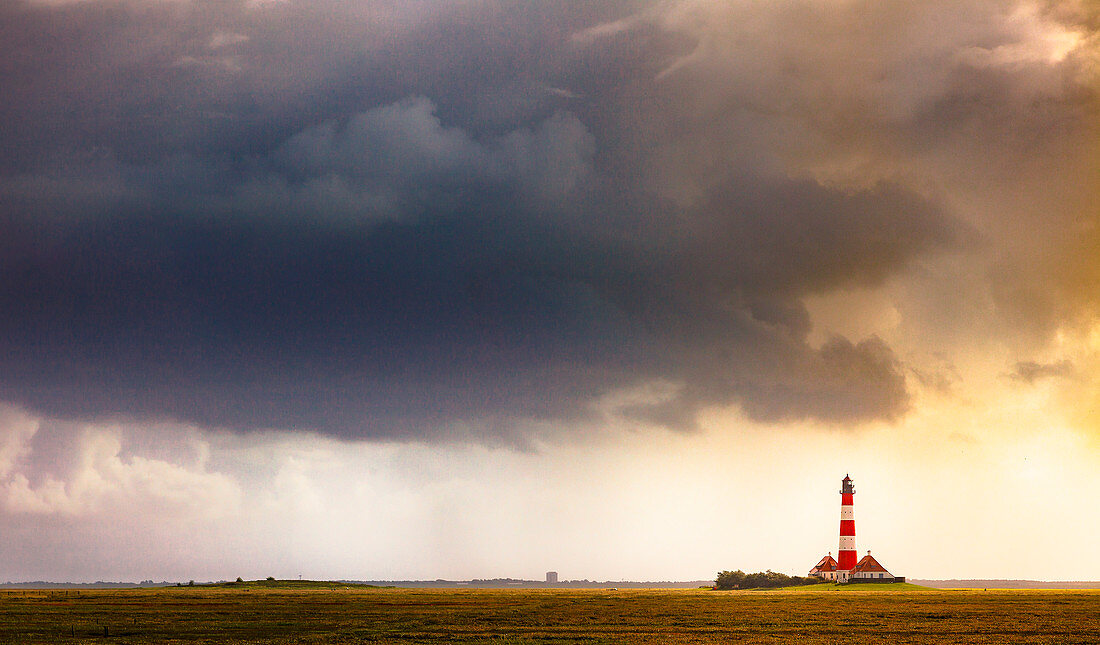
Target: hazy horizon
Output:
{"points": [[505, 582], [399, 290]]}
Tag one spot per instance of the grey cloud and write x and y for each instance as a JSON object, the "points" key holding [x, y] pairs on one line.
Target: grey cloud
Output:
{"points": [[993, 107], [49, 467], [406, 236], [841, 383], [941, 376], [1030, 371], [384, 159]]}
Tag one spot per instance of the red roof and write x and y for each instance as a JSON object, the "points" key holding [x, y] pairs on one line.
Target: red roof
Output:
{"points": [[826, 564], [869, 565]]}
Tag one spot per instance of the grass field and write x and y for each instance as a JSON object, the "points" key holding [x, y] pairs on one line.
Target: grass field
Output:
{"points": [[254, 613]]}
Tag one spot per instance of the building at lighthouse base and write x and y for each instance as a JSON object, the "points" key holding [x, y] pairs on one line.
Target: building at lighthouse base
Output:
{"points": [[867, 569], [824, 569]]}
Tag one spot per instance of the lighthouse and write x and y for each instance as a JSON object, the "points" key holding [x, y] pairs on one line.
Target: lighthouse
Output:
{"points": [[846, 557], [845, 568]]}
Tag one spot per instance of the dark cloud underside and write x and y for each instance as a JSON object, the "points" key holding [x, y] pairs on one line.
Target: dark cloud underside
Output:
{"points": [[399, 224]]}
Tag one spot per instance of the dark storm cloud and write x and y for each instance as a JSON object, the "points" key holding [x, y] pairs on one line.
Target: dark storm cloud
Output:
{"points": [[408, 222]]}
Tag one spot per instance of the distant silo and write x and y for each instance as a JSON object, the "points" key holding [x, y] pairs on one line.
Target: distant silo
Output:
{"points": [[552, 577]]}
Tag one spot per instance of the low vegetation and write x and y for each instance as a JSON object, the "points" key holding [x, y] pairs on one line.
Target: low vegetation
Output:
{"points": [[760, 580], [811, 615], [272, 583]]}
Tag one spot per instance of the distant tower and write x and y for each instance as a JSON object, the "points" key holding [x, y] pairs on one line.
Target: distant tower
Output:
{"points": [[846, 558], [552, 577]]}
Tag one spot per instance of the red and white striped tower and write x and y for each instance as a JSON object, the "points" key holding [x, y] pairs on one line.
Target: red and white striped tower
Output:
{"points": [[846, 558]]}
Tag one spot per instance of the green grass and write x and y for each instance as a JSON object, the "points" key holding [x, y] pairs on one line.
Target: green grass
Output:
{"points": [[285, 613]]}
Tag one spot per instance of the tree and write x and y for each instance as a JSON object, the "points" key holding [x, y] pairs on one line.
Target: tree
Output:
{"points": [[730, 580]]}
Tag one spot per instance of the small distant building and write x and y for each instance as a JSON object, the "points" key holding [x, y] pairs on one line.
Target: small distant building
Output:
{"points": [[552, 577]]}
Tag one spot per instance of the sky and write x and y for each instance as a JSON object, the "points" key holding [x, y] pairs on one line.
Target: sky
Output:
{"points": [[474, 289]]}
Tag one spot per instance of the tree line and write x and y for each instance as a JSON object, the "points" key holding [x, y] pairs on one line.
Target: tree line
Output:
{"points": [[760, 580]]}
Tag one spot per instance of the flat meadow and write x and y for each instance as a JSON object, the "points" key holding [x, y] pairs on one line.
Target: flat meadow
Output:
{"points": [[334, 613]]}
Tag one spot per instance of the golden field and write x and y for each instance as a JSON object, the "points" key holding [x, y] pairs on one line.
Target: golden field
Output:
{"points": [[334, 613]]}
